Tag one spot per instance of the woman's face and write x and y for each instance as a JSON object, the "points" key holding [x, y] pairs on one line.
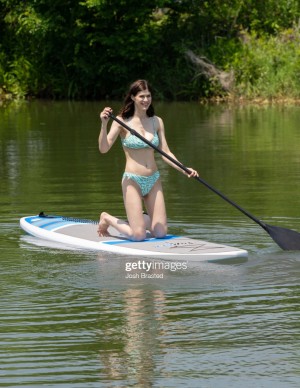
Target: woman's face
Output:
{"points": [[142, 99]]}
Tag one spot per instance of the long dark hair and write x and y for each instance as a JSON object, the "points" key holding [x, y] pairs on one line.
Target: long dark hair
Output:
{"points": [[128, 107]]}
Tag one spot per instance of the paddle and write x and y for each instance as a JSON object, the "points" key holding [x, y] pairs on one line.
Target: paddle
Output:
{"points": [[287, 239]]}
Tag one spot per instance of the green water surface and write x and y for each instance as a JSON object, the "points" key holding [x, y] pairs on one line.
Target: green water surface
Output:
{"points": [[71, 318]]}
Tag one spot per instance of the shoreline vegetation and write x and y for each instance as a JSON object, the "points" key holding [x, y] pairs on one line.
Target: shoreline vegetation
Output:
{"points": [[212, 52]]}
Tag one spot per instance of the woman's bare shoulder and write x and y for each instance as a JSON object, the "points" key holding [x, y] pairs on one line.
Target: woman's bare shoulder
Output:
{"points": [[159, 123]]}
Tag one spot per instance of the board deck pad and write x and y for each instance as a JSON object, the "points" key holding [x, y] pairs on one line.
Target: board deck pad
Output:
{"points": [[83, 234]]}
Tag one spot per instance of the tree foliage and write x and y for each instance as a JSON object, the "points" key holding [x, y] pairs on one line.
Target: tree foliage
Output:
{"points": [[94, 48]]}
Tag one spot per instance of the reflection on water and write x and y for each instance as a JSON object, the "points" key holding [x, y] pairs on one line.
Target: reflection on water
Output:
{"points": [[71, 318], [215, 324]]}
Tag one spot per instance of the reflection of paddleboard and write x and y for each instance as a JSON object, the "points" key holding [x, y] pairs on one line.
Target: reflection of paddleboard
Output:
{"points": [[83, 234]]}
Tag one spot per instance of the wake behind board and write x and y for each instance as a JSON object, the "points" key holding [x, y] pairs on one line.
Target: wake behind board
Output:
{"points": [[83, 234]]}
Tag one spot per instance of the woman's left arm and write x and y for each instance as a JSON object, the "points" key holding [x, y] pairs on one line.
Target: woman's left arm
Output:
{"points": [[163, 145]]}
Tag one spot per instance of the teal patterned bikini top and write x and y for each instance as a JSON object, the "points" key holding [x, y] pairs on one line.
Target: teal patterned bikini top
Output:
{"points": [[135, 142]]}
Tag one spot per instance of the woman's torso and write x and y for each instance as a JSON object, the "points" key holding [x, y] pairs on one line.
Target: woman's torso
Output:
{"points": [[140, 156]]}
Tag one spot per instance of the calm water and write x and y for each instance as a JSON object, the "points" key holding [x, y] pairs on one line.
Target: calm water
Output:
{"points": [[72, 319]]}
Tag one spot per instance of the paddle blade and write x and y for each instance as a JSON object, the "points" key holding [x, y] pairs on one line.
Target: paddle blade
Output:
{"points": [[287, 239]]}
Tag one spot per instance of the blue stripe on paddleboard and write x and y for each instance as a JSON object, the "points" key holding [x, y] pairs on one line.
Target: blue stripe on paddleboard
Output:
{"points": [[32, 219], [41, 222], [48, 224], [36, 220], [168, 237]]}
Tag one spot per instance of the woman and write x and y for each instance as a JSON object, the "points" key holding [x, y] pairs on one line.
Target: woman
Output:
{"points": [[141, 180]]}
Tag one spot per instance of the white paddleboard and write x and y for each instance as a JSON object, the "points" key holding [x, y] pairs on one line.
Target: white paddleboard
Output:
{"points": [[83, 234]]}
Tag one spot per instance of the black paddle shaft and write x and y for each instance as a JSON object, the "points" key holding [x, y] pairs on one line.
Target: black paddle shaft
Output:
{"points": [[184, 168], [287, 239]]}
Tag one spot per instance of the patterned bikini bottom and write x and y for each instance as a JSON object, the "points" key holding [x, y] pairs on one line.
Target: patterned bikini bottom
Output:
{"points": [[145, 183]]}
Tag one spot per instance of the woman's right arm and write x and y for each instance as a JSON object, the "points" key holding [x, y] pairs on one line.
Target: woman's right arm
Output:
{"points": [[106, 140]]}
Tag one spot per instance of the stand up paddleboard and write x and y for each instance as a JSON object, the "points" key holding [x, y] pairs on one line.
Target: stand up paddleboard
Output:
{"points": [[82, 233]]}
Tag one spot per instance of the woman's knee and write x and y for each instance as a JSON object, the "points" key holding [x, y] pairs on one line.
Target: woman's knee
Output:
{"points": [[138, 234], [159, 230]]}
